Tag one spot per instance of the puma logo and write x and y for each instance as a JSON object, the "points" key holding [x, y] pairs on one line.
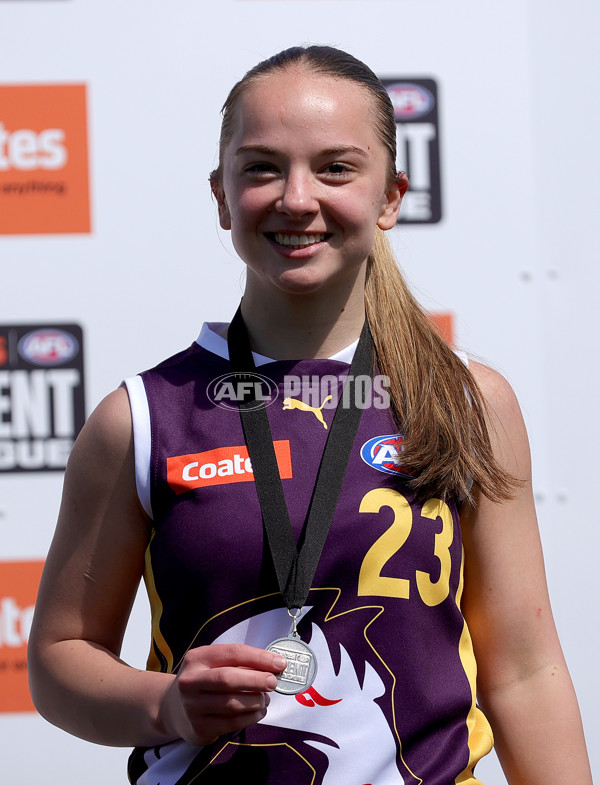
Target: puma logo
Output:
{"points": [[293, 403]]}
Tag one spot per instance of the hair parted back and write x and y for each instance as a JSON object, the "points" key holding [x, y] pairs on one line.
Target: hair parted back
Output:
{"points": [[435, 400]]}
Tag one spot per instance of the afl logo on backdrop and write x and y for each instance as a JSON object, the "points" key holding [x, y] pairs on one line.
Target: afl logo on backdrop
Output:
{"points": [[48, 347], [410, 101], [383, 453]]}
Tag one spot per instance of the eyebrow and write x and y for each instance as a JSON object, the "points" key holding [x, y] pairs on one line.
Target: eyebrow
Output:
{"points": [[346, 148], [255, 148], [265, 150]]}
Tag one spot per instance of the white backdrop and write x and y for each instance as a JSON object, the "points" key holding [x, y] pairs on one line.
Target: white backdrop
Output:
{"points": [[513, 257]]}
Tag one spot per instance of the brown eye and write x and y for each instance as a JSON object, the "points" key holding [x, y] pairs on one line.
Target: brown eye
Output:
{"points": [[337, 170], [259, 168]]}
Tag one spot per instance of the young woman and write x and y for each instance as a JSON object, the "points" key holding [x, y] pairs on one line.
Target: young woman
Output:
{"points": [[328, 558]]}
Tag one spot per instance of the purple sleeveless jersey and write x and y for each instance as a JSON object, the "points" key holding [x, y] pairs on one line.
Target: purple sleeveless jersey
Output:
{"points": [[394, 697]]}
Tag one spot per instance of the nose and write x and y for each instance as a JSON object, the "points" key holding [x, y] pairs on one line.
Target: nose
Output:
{"points": [[298, 196]]}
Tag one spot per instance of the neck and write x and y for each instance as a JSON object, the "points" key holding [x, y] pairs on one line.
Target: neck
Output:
{"points": [[307, 326]]}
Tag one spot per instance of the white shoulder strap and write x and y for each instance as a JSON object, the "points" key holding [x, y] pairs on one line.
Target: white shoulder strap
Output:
{"points": [[142, 438]]}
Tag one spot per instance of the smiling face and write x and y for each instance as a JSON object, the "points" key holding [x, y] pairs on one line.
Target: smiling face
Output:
{"points": [[305, 182]]}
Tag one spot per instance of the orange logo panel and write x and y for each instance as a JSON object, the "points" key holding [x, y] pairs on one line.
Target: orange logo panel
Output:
{"points": [[19, 583], [221, 466], [44, 184], [445, 325]]}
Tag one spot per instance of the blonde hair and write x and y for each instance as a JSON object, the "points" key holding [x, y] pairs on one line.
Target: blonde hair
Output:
{"points": [[435, 400]]}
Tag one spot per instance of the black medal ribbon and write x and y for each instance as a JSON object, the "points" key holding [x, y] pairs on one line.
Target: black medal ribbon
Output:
{"points": [[295, 568]]}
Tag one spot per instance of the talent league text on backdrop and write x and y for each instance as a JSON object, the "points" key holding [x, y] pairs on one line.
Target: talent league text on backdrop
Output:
{"points": [[415, 103], [42, 406]]}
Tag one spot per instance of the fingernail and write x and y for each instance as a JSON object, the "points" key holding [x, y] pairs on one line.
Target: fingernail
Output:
{"points": [[279, 662], [271, 682]]}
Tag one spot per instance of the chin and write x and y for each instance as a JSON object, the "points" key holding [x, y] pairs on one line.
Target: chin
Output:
{"points": [[305, 280], [301, 283]]}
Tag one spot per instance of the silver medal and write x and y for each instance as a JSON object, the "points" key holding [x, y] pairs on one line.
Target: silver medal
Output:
{"points": [[301, 666]]}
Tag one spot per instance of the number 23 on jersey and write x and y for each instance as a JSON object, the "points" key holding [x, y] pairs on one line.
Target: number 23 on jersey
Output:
{"points": [[372, 582]]}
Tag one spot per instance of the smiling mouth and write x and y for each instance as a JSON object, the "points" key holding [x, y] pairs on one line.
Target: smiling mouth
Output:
{"points": [[296, 240]]}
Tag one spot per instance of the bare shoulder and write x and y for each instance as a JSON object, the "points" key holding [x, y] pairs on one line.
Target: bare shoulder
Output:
{"points": [[108, 433], [102, 458], [496, 390], [507, 430], [101, 468], [100, 491]]}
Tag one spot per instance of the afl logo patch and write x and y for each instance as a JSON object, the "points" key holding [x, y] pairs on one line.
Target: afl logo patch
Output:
{"points": [[232, 388], [383, 453]]}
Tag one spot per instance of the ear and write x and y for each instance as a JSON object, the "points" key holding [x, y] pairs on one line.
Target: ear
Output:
{"points": [[393, 200], [219, 194]]}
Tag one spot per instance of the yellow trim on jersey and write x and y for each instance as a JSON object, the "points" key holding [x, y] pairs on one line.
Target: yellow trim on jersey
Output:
{"points": [[156, 608], [481, 738], [239, 744]]}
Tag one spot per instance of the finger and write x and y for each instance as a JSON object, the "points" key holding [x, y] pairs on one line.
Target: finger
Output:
{"points": [[216, 726], [215, 704], [195, 680], [237, 655]]}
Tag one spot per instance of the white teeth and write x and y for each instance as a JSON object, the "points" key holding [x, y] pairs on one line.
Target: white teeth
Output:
{"points": [[298, 241]]}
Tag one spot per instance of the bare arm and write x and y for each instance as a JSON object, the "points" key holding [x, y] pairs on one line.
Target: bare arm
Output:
{"points": [[523, 682], [90, 579]]}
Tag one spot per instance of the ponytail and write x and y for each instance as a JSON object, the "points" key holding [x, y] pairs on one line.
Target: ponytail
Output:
{"points": [[435, 400]]}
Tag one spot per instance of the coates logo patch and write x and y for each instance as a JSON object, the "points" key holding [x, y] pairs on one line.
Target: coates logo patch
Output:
{"points": [[221, 466], [48, 347], [383, 453], [410, 101]]}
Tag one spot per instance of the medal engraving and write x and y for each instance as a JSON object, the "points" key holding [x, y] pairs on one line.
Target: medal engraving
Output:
{"points": [[301, 666]]}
